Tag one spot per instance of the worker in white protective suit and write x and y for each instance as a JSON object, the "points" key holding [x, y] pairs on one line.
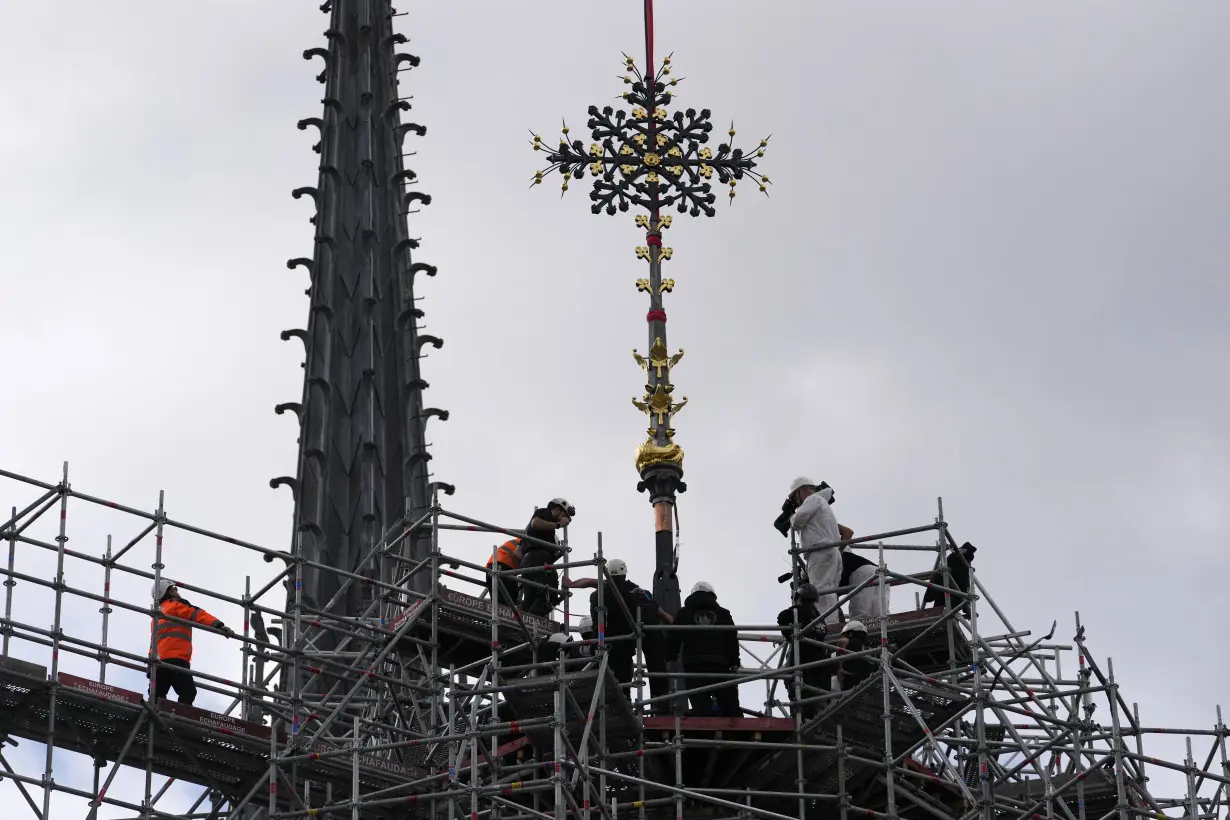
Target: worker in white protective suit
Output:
{"points": [[816, 525]]}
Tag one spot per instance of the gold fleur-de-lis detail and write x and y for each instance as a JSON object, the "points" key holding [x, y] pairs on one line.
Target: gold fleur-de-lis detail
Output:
{"points": [[658, 403], [667, 286], [658, 359], [642, 285]]}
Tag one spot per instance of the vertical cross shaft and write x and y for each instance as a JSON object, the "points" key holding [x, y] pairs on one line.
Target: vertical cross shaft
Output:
{"points": [[662, 478]]}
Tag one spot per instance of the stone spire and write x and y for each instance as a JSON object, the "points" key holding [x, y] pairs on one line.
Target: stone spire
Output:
{"points": [[363, 458]]}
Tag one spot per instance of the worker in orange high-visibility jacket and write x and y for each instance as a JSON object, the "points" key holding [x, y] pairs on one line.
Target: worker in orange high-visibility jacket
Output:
{"points": [[174, 642], [508, 556]]}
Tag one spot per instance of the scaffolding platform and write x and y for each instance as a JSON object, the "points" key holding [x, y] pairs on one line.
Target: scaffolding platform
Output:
{"points": [[536, 699], [861, 718], [926, 638], [700, 726], [464, 628], [190, 744], [1098, 796], [734, 745]]}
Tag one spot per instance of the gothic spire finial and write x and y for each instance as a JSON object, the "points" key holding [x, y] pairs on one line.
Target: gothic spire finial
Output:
{"points": [[363, 461]]}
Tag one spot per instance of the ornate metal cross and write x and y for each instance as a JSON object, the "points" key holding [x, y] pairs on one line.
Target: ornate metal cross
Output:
{"points": [[654, 161]]}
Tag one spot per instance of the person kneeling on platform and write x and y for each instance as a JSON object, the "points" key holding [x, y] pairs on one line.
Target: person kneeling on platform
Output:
{"points": [[866, 604], [817, 680], [174, 641], [853, 671], [707, 651], [959, 562], [543, 524]]}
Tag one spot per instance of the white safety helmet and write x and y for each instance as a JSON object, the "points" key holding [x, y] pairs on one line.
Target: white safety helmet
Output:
{"points": [[160, 588], [702, 586], [799, 483], [557, 637], [563, 504], [854, 626], [617, 566], [586, 624]]}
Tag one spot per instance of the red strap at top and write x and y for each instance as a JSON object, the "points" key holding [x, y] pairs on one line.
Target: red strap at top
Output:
{"points": [[649, 40], [655, 316], [654, 239]]}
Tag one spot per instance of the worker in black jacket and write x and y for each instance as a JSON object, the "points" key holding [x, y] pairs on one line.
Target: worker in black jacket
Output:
{"points": [[804, 613], [959, 562], [620, 632], [707, 651], [543, 525]]}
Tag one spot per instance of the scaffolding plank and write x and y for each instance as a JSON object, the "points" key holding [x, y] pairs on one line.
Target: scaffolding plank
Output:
{"points": [[469, 609], [18, 670], [720, 724], [464, 626], [103, 691], [537, 700]]}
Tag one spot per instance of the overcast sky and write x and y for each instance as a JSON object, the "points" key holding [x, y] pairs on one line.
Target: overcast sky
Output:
{"points": [[992, 269]]}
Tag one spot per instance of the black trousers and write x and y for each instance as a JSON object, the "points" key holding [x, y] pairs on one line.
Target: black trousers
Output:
{"points": [[620, 662], [816, 681], [723, 701], [181, 681], [622, 665], [655, 663], [507, 589], [540, 601]]}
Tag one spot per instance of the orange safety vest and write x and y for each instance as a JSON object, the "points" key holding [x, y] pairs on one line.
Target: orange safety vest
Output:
{"points": [[505, 553], [174, 638]]}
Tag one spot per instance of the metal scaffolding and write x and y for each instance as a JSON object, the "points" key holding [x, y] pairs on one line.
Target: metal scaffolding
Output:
{"points": [[428, 704]]}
